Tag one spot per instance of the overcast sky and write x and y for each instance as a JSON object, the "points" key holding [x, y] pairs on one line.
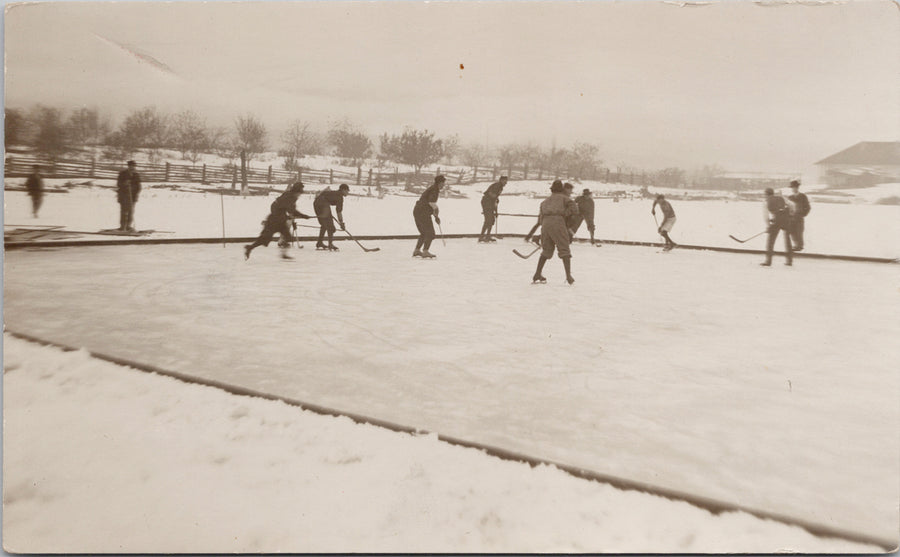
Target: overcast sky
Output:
{"points": [[742, 85]]}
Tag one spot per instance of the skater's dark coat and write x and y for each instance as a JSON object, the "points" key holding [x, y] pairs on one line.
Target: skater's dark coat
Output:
{"points": [[800, 208], [281, 211], [585, 211], [422, 214], [778, 218], [128, 188], [490, 202], [556, 212], [35, 187], [322, 206]]}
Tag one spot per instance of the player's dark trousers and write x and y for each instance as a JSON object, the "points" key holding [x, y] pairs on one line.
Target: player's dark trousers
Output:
{"points": [[326, 225], [426, 229], [36, 201], [126, 215], [487, 208], [774, 229], [272, 226], [797, 226]]}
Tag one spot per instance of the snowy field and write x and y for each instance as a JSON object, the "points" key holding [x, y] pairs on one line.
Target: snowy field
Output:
{"points": [[774, 389]]}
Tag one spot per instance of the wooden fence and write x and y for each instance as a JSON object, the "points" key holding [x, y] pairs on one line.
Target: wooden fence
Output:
{"points": [[20, 166]]}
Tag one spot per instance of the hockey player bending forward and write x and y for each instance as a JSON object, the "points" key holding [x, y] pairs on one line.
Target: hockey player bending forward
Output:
{"points": [[555, 212], [425, 207], [282, 211], [322, 206]]}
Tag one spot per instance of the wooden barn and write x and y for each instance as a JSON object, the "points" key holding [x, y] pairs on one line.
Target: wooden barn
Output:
{"points": [[865, 164]]}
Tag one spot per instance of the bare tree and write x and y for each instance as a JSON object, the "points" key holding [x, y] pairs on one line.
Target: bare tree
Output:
{"points": [[584, 160], [141, 128], [190, 135], [415, 147], [299, 141], [14, 126], [451, 148], [349, 142], [50, 139], [474, 155], [250, 136], [86, 127]]}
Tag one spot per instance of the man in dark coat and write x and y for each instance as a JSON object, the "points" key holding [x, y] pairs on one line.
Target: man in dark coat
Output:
{"points": [[585, 203], [425, 207], [490, 204], [556, 211], [35, 186], [282, 211], [778, 218], [799, 207], [322, 206], [128, 187]]}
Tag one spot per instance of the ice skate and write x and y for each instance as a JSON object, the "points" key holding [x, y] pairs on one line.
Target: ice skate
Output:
{"points": [[570, 279], [539, 279], [417, 253], [427, 255], [247, 249], [332, 247]]}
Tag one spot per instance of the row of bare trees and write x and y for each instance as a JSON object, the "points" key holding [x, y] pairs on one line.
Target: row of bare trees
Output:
{"points": [[52, 133]]}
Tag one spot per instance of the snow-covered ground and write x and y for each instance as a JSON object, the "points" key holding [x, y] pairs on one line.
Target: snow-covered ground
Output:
{"points": [[131, 462], [775, 389]]}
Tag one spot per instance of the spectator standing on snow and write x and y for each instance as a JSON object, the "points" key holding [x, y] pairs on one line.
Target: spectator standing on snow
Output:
{"points": [[778, 218], [555, 214], [668, 220], [35, 187], [322, 206], [799, 206], [585, 203], [425, 207], [490, 203], [282, 210], [128, 187]]}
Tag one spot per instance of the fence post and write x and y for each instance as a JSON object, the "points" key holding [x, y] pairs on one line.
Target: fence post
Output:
{"points": [[377, 179], [300, 175], [540, 173], [396, 176], [460, 179], [330, 175], [167, 172], [493, 173], [269, 177], [474, 174], [525, 177], [203, 176], [233, 177], [93, 167], [369, 181], [358, 175]]}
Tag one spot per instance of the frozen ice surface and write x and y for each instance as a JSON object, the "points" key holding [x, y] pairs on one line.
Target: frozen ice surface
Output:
{"points": [[832, 228], [774, 388]]}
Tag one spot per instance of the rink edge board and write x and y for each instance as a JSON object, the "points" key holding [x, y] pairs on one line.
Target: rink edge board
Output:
{"points": [[714, 506], [235, 240]]}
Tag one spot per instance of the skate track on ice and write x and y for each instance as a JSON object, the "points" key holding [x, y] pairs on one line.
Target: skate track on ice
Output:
{"points": [[606, 403]]}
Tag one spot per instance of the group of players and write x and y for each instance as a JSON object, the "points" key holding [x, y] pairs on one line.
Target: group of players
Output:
{"points": [[559, 218]]}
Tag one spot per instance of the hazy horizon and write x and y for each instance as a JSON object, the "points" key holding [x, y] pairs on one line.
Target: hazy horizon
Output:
{"points": [[743, 85]]}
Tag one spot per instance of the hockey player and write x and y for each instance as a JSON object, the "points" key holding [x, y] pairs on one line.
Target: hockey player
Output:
{"points": [[777, 218], [282, 210], [555, 211], [35, 187], [128, 187], [425, 207], [668, 220], [322, 206], [490, 203], [799, 207], [585, 203]]}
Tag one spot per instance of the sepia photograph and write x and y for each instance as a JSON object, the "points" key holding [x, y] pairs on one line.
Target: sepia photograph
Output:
{"points": [[501, 276]]}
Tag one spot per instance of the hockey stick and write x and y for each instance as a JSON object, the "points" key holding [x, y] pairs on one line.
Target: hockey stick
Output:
{"points": [[515, 251], [748, 239], [364, 248], [442, 235]]}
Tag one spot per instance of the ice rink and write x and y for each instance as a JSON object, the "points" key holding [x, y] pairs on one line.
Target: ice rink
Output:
{"points": [[775, 389]]}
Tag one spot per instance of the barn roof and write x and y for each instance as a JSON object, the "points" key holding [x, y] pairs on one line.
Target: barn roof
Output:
{"points": [[867, 152]]}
